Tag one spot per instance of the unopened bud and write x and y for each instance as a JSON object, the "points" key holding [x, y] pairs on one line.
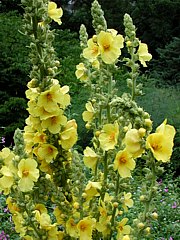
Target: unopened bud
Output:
{"points": [[148, 230], [148, 122], [154, 215], [128, 43], [142, 132], [142, 198], [140, 225], [115, 204], [76, 205]]}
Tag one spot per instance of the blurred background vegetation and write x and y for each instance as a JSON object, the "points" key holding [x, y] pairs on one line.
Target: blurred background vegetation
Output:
{"points": [[158, 25]]}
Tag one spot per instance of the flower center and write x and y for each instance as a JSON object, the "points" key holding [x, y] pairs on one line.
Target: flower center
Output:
{"points": [[25, 173], [122, 159], [106, 47], [156, 147], [83, 227]]}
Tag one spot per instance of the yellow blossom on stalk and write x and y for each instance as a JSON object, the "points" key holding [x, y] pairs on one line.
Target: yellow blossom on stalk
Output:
{"points": [[133, 142], [47, 152], [39, 137], [91, 189], [122, 228], [65, 98], [49, 98], [109, 46], [161, 142], [108, 136], [28, 173], [90, 158], [7, 180], [85, 228], [54, 123], [103, 224], [95, 64], [12, 206], [44, 220], [59, 216], [54, 234], [81, 72], [124, 163], [54, 12], [71, 228], [69, 135], [6, 155], [127, 201], [18, 221], [89, 114], [143, 54], [92, 50]]}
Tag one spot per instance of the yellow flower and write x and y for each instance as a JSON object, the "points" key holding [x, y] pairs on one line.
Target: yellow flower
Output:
{"points": [[108, 136], [81, 72], [12, 206], [161, 142], [103, 224], [124, 163], [143, 54], [54, 234], [59, 216], [90, 158], [133, 143], [19, 222], [127, 201], [39, 137], [7, 180], [91, 189], [85, 228], [47, 152], [54, 12], [109, 46], [69, 135], [54, 123], [44, 220], [6, 155], [71, 228], [89, 114], [92, 51], [122, 228], [28, 173], [49, 99]]}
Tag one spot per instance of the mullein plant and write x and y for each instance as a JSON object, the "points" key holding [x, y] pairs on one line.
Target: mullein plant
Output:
{"points": [[52, 191]]}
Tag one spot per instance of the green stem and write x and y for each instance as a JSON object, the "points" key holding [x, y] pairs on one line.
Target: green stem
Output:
{"points": [[114, 210]]}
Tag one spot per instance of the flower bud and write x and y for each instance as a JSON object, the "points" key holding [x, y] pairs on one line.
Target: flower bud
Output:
{"points": [[142, 198], [140, 225], [128, 43], [142, 132], [154, 215], [148, 230], [76, 205], [148, 122], [115, 204]]}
